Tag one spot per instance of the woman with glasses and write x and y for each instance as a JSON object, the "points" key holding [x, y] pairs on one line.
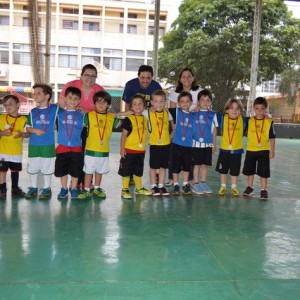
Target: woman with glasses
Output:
{"points": [[88, 87]]}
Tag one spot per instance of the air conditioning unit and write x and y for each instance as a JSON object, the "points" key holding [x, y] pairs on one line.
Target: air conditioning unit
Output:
{"points": [[2, 72]]}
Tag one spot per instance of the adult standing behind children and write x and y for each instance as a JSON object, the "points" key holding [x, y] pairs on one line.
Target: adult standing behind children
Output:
{"points": [[143, 85]]}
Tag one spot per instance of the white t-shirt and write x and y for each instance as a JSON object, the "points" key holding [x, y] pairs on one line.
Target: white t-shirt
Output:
{"points": [[174, 97]]}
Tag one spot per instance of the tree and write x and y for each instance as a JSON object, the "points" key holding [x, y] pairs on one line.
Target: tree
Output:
{"points": [[290, 83], [214, 37]]}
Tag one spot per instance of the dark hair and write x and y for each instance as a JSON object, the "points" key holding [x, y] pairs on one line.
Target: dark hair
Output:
{"points": [[230, 102], [204, 92], [73, 90], [179, 86], [145, 68], [102, 95], [90, 67], [47, 89], [7, 97], [261, 100], [159, 93], [136, 96], [185, 94]]}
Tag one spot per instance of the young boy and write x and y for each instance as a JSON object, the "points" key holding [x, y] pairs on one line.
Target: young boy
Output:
{"points": [[69, 157], [133, 148], [100, 124], [11, 137], [204, 141], [260, 148], [41, 148], [182, 143], [159, 122]]}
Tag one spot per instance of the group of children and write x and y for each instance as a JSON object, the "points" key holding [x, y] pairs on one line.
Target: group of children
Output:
{"points": [[189, 143]]}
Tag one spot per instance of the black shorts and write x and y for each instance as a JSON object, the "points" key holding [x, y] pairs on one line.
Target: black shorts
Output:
{"points": [[257, 162], [159, 156], [181, 160], [13, 166], [202, 156], [68, 163], [132, 164], [229, 163]]}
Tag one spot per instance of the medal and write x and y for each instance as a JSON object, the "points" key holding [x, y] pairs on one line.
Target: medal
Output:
{"points": [[99, 125], [183, 138], [141, 145], [201, 140], [258, 145], [6, 126], [101, 143], [160, 129], [69, 143], [261, 131], [69, 117], [140, 134], [159, 141], [11, 127], [230, 146], [233, 127]]}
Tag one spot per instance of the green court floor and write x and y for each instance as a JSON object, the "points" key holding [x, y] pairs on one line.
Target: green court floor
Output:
{"points": [[198, 247]]}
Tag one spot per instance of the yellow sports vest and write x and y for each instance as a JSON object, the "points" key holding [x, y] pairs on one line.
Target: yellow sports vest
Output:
{"points": [[99, 131], [258, 134], [234, 136], [8, 144], [159, 128], [136, 140]]}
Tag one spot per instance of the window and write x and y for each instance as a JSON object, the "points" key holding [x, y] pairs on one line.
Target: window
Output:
{"points": [[22, 58], [21, 83], [89, 60], [4, 57], [132, 16], [132, 29], [116, 52], [161, 18], [161, 30], [70, 24], [68, 49], [135, 53], [133, 64], [91, 26], [25, 47], [67, 61], [72, 11], [4, 45], [112, 63], [4, 20], [26, 22], [90, 12], [4, 5], [96, 51]]}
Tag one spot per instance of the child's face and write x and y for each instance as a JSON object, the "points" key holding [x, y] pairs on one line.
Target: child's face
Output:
{"points": [[234, 111], [260, 111], [158, 102], [11, 106], [137, 106], [72, 101], [39, 96], [185, 103], [204, 102], [101, 106]]}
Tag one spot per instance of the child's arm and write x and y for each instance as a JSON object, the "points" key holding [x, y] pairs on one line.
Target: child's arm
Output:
{"points": [[214, 149], [272, 148], [5, 133], [172, 126], [122, 142], [21, 134], [123, 113], [36, 131]]}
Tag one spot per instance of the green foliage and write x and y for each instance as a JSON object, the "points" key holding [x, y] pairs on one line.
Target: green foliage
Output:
{"points": [[214, 37], [290, 83]]}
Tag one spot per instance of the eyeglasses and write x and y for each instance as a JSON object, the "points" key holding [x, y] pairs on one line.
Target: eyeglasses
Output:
{"points": [[90, 76]]}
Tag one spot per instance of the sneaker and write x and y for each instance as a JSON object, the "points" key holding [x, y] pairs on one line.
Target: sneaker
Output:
{"points": [[85, 195], [143, 192], [169, 183], [206, 189], [248, 191], [32, 192], [155, 191], [186, 189], [126, 194], [235, 192], [175, 190], [74, 193], [197, 189], [3, 194], [99, 193], [164, 191], [63, 194], [45, 194], [263, 195], [222, 191], [17, 192]]}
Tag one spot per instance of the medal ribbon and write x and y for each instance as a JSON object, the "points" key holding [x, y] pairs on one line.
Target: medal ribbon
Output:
{"points": [[185, 128], [162, 125], [206, 119], [39, 117], [11, 128], [138, 131], [231, 138], [261, 131], [104, 128], [72, 126]]}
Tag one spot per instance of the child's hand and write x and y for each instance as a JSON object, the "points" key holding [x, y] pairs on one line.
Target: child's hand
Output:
{"points": [[123, 153], [272, 154], [214, 149], [39, 132], [19, 135], [6, 133]]}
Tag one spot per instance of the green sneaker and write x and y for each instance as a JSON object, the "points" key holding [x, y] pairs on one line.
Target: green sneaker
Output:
{"points": [[126, 194], [85, 195], [45, 194], [99, 193], [143, 192]]}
